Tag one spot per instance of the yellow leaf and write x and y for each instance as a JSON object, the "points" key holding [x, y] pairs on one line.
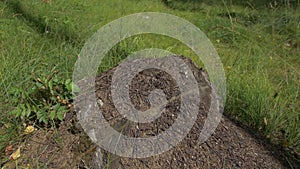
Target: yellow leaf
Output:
{"points": [[265, 121], [28, 166], [16, 154], [29, 129]]}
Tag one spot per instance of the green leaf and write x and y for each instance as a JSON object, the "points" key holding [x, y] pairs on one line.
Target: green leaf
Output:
{"points": [[18, 112], [68, 84], [45, 80], [68, 81], [28, 111], [23, 110], [42, 116], [14, 91], [60, 116], [61, 112], [50, 84], [23, 95], [45, 120], [56, 107], [52, 114], [55, 79], [75, 88], [39, 115], [39, 84], [23, 114], [34, 108]]}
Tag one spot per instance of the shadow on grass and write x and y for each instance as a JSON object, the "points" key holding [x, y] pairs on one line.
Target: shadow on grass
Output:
{"points": [[39, 24]]}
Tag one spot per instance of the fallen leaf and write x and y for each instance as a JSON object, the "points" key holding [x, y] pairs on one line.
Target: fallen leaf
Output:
{"points": [[16, 154], [28, 166], [8, 150], [64, 101], [29, 129], [7, 125], [265, 121]]}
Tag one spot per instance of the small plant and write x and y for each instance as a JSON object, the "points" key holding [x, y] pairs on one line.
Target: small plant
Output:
{"points": [[49, 99]]}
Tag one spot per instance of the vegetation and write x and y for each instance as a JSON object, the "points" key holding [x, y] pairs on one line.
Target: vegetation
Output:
{"points": [[48, 99], [258, 42]]}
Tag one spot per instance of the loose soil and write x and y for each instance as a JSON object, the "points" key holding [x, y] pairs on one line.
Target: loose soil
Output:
{"points": [[231, 145]]}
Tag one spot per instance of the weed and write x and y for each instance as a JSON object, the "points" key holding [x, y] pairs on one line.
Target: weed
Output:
{"points": [[48, 99]]}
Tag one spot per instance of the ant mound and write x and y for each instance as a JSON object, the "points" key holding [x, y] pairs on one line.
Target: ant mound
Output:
{"points": [[230, 146]]}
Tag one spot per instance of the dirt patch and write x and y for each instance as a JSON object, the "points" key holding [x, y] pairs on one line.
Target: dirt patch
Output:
{"points": [[229, 147], [64, 147]]}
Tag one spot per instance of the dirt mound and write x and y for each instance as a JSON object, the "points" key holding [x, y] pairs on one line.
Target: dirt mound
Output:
{"points": [[229, 147]]}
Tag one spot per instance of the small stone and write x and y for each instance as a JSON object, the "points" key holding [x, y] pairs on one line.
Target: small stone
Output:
{"points": [[100, 102]]}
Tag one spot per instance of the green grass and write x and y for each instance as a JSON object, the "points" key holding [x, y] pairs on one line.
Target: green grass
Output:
{"points": [[259, 45]]}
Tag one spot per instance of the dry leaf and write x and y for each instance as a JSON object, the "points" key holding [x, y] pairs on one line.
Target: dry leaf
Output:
{"points": [[265, 121], [7, 125], [29, 129], [8, 150], [28, 166], [16, 154], [64, 101]]}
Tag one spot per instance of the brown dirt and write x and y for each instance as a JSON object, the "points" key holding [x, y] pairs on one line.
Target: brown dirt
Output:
{"points": [[231, 146]]}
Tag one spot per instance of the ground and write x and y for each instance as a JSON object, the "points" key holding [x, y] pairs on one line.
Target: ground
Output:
{"points": [[231, 146]]}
